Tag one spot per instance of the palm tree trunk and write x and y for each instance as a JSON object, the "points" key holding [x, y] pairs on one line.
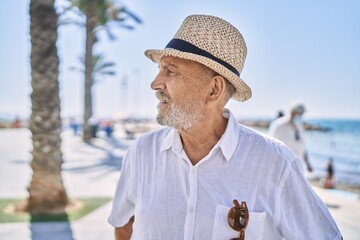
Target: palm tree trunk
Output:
{"points": [[46, 190], [90, 40]]}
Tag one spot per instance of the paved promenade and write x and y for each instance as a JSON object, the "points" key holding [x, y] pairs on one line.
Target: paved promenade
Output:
{"points": [[93, 170]]}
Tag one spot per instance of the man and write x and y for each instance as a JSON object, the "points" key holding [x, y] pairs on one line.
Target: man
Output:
{"points": [[187, 181], [290, 130]]}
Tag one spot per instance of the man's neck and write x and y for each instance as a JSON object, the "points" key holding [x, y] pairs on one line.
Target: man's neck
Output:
{"points": [[200, 139], [292, 120]]}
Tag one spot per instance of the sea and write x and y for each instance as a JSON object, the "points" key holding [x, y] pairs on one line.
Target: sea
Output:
{"points": [[340, 141]]}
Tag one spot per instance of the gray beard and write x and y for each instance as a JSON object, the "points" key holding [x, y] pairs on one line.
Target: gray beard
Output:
{"points": [[182, 117]]}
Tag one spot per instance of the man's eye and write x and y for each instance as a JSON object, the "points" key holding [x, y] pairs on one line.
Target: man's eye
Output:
{"points": [[169, 72]]}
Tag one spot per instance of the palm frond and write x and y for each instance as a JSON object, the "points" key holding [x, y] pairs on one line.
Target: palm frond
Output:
{"points": [[110, 35], [136, 18], [102, 67], [106, 12], [106, 65], [129, 27], [77, 69], [110, 73]]}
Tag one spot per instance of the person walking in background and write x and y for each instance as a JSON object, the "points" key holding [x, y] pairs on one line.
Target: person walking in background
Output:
{"points": [[108, 127], [329, 180], [94, 123], [290, 130], [16, 123], [280, 114], [74, 125], [205, 176]]}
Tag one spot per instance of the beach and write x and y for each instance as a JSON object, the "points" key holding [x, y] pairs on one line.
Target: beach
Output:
{"points": [[92, 170]]}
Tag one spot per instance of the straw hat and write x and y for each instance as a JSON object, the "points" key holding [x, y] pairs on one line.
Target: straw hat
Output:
{"points": [[212, 42]]}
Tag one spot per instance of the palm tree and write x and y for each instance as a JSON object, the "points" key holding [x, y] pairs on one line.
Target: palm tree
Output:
{"points": [[99, 14], [46, 190]]}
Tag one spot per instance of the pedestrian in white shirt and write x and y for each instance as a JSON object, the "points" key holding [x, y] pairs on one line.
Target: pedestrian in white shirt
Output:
{"points": [[290, 130], [205, 176]]}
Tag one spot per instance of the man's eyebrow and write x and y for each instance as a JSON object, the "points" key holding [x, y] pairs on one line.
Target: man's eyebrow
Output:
{"points": [[167, 64]]}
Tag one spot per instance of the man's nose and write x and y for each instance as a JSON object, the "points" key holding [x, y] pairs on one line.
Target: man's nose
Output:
{"points": [[158, 83]]}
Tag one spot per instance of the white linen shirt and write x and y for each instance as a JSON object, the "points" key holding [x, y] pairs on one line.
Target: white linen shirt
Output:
{"points": [[172, 199]]}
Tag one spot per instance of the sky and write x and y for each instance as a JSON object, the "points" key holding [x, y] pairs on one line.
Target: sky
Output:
{"points": [[307, 51]]}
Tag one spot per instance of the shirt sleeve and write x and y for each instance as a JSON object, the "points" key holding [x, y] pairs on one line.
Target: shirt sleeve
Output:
{"points": [[124, 199], [303, 215]]}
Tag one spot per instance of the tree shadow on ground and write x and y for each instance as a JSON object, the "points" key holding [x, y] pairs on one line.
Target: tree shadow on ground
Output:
{"points": [[59, 230], [112, 162]]}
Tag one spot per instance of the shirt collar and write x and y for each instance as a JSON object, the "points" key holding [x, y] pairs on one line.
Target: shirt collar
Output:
{"points": [[172, 139], [227, 143], [229, 140]]}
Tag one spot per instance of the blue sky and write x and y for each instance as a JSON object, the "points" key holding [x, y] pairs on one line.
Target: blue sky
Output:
{"points": [[297, 50]]}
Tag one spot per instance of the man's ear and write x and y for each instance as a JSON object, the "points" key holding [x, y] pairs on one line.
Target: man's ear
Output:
{"points": [[218, 87]]}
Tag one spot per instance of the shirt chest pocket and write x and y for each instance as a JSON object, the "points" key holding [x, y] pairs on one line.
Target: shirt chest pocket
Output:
{"points": [[222, 230]]}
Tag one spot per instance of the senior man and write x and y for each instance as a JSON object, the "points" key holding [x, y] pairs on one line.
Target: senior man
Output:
{"points": [[205, 176]]}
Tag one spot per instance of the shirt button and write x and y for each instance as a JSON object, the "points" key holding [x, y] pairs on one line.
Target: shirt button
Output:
{"points": [[193, 171], [191, 209]]}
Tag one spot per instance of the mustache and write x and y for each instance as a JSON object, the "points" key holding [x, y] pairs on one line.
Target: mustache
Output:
{"points": [[162, 96]]}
